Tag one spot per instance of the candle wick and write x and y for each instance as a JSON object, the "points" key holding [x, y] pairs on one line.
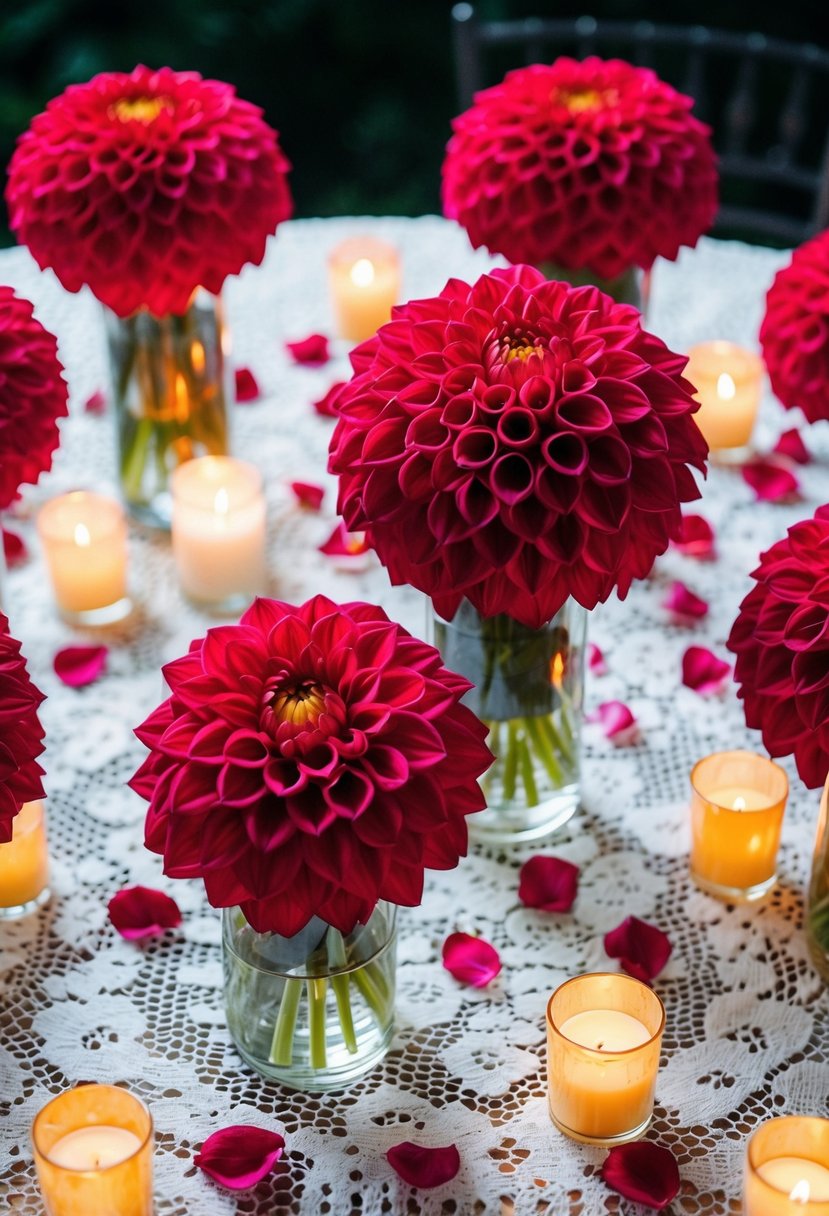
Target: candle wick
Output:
{"points": [[600, 1045]]}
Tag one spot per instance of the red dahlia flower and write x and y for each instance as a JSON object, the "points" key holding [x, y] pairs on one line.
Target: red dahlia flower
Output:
{"points": [[146, 185], [21, 735], [780, 638], [33, 396], [597, 165], [516, 442], [794, 334], [310, 762]]}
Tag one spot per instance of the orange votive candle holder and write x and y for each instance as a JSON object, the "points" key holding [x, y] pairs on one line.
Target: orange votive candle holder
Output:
{"points": [[24, 864], [728, 380], [787, 1168]]}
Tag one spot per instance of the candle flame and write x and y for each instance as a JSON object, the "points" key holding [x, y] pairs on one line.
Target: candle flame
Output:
{"points": [[557, 670], [362, 272], [801, 1192], [197, 357], [726, 388], [739, 804], [82, 537], [182, 404], [220, 502]]}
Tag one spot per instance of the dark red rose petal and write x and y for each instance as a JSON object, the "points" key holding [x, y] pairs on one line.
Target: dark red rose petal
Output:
{"points": [[138, 912], [644, 1172], [80, 665], [312, 350], [247, 388], [471, 960], [96, 404], [327, 405], [548, 883], [791, 445], [696, 538], [642, 949], [702, 671], [238, 1157], [14, 549], [308, 494], [424, 1167], [770, 479]]}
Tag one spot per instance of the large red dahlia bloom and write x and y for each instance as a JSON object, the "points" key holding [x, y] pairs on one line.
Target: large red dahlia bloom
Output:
{"points": [[794, 334], [309, 762], [33, 396], [595, 164], [21, 735], [781, 640], [146, 185], [516, 442]]}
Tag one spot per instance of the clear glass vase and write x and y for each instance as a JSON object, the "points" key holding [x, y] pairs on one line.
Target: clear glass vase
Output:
{"points": [[314, 1011], [817, 910], [529, 690], [632, 286], [170, 398]]}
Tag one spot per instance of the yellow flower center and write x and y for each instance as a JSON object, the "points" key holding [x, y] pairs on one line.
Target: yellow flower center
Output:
{"points": [[301, 705], [579, 100], [518, 348], [139, 109]]}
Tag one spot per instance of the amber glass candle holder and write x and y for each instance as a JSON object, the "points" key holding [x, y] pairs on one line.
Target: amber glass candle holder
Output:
{"points": [[728, 380], [24, 864], [601, 1090], [84, 539], [93, 1149], [737, 805], [364, 280], [787, 1168]]}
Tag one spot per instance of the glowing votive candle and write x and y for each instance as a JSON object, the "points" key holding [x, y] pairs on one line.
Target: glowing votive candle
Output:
{"points": [[364, 277], [787, 1168], [93, 1149], [24, 863], [737, 805], [84, 538], [219, 531], [603, 1039], [728, 380]]}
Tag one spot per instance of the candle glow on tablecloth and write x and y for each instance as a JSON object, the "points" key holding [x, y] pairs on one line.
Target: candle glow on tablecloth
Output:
{"points": [[728, 380], [24, 863], [84, 538], [364, 277], [787, 1168]]}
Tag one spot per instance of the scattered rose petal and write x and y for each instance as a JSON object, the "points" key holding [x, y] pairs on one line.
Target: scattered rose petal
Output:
{"points": [[791, 445], [96, 404], [142, 912], [424, 1167], [596, 660], [683, 604], [312, 350], [617, 722], [238, 1157], [696, 538], [14, 549], [471, 960], [79, 665], [770, 479], [548, 883], [327, 405], [702, 671], [308, 494], [644, 1172], [247, 388], [342, 543], [642, 949]]}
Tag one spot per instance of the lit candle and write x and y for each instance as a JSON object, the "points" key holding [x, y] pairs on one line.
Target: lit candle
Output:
{"points": [[787, 1168], [603, 1039], [364, 276], [24, 863], [737, 805], [219, 531], [93, 1150], [728, 380], [84, 539]]}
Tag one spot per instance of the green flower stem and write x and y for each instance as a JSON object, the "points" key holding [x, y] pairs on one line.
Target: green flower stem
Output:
{"points": [[134, 457], [545, 752], [342, 990], [316, 1022], [819, 922], [511, 761], [282, 1044], [525, 764], [375, 993], [556, 741]]}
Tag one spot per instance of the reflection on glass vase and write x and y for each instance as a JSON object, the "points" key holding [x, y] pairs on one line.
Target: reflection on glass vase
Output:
{"points": [[632, 286], [817, 912], [170, 398], [314, 1011], [529, 690]]}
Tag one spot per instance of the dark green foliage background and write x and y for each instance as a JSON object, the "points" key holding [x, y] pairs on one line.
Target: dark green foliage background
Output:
{"points": [[362, 91]]}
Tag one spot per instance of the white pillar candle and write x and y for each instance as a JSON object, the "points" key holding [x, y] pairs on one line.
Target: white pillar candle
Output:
{"points": [[84, 538], [605, 1030], [364, 276], [728, 380]]}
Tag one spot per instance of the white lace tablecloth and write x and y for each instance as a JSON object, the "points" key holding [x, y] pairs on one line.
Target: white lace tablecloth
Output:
{"points": [[748, 1019]]}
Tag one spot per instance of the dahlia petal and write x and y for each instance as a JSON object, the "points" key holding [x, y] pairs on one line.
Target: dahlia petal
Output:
{"points": [[790, 445], [770, 479], [240, 1156], [595, 660], [642, 948], [342, 543], [683, 604], [80, 665], [326, 407], [95, 404], [424, 1167], [14, 549], [311, 350], [548, 883], [470, 960], [617, 722], [308, 494], [644, 1172], [139, 912], [696, 538], [702, 671], [247, 388]]}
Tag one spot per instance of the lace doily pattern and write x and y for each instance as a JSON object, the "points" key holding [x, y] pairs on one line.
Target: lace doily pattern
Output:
{"points": [[748, 1019]]}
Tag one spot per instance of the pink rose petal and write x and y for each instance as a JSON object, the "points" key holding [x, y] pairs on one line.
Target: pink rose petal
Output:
{"points": [[79, 665], [642, 949], [471, 960], [424, 1167], [342, 543], [696, 538], [548, 883], [238, 1157], [327, 405], [138, 912], [617, 722], [247, 388], [644, 1172], [683, 604], [312, 350], [308, 494], [791, 445], [770, 479], [596, 660], [702, 671], [14, 549], [96, 404]]}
